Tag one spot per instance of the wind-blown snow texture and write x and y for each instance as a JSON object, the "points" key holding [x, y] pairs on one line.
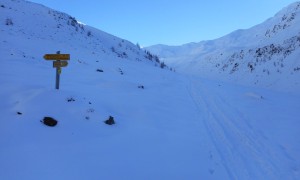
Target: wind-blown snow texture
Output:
{"points": [[266, 55], [168, 125]]}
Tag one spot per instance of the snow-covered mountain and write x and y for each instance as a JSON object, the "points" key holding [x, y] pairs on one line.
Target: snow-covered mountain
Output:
{"points": [[167, 125], [266, 55], [32, 33]]}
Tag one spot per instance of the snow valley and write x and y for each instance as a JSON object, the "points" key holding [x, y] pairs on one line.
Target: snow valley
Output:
{"points": [[168, 125]]}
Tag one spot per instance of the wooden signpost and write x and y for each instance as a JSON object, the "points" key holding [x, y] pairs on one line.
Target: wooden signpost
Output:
{"points": [[57, 64], [60, 61], [57, 56]]}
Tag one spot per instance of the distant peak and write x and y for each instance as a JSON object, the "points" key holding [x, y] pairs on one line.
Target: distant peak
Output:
{"points": [[292, 8]]}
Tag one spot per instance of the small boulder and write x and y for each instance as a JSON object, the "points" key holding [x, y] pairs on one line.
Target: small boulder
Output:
{"points": [[49, 121], [110, 121]]}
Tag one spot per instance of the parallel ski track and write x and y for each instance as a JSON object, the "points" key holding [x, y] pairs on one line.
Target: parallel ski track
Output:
{"points": [[243, 154]]}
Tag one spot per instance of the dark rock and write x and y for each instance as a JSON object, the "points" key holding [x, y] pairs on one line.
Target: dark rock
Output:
{"points": [[99, 70], [49, 121], [19, 113], [110, 121], [141, 87]]}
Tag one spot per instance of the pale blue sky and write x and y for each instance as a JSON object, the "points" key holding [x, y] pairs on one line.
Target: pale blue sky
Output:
{"points": [[168, 22]]}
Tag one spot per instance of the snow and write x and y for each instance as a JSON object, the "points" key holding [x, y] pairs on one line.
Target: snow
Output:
{"points": [[271, 48], [178, 127]]}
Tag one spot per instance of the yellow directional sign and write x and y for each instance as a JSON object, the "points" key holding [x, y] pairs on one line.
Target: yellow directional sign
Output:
{"points": [[57, 64], [57, 56]]}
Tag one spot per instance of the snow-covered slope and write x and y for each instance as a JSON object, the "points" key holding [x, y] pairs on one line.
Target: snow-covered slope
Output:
{"points": [[32, 33], [168, 125], [265, 55]]}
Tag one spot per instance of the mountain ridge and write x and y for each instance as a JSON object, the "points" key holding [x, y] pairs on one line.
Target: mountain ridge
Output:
{"points": [[54, 26], [219, 58]]}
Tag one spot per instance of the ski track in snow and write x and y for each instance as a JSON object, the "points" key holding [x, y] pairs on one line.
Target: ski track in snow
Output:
{"points": [[238, 145]]}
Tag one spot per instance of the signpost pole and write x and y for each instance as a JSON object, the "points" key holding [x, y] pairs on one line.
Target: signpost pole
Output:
{"points": [[58, 71]]}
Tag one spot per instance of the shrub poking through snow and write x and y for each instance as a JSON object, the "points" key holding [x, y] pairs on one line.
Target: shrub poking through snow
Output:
{"points": [[49, 121], [70, 99], [9, 22], [110, 121], [120, 71]]}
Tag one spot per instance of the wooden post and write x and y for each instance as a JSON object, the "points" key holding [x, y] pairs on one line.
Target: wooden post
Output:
{"points": [[58, 71]]}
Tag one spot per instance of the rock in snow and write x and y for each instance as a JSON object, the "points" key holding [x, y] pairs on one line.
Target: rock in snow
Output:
{"points": [[49, 121]]}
